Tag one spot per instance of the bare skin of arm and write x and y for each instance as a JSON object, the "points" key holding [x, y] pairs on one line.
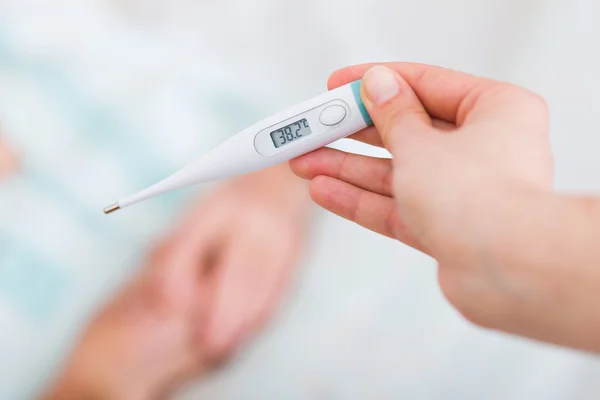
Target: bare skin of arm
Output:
{"points": [[206, 289], [470, 183]]}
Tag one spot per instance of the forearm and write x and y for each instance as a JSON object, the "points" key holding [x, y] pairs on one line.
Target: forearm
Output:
{"points": [[545, 250]]}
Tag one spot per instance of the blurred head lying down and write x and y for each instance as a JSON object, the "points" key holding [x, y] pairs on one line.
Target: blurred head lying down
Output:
{"points": [[124, 102]]}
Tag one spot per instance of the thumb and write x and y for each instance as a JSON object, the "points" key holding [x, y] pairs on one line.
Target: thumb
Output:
{"points": [[397, 112]]}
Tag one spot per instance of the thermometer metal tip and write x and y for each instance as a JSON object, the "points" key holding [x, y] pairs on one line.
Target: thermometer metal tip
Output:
{"points": [[111, 209]]}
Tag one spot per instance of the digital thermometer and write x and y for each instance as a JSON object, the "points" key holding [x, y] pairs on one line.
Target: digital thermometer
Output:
{"points": [[289, 134]]}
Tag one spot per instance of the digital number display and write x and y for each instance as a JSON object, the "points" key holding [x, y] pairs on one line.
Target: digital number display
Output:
{"points": [[290, 133]]}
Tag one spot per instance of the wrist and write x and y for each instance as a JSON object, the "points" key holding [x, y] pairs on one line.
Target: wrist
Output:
{"points": [[533, 253], [513, 219], [486, 222]]}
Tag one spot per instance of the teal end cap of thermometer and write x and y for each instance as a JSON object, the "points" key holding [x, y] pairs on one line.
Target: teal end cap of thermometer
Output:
{"points": [[359, 102]]}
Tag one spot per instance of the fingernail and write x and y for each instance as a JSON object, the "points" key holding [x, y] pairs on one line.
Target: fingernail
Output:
{"points": [[381, 84]]}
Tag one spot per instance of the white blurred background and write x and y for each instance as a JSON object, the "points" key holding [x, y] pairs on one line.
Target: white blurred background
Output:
{"points": [[366, 318]]}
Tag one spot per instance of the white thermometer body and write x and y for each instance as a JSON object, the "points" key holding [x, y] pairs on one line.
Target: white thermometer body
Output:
{"points": [[289, 134]]}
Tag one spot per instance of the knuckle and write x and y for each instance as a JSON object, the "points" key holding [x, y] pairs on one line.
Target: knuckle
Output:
{"points": [[508, 93], [534, 103], [540, 102], [537, 100], [423, 75], [468, 103]]}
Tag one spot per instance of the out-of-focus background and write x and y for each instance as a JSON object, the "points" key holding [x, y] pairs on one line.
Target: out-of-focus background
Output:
{"points": [[101, 97]]}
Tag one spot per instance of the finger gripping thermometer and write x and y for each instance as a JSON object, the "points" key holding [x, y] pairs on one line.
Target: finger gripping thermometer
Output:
{"points": [[289, 134]]}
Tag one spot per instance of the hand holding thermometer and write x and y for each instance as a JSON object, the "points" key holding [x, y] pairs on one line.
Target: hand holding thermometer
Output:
{"points": [[289, 134]]}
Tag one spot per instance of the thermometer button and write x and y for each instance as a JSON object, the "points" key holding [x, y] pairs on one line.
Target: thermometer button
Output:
{"points": [[333, 115]]}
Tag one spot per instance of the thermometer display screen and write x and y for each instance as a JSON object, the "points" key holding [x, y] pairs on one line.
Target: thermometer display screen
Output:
{"points": [[290, 133]]}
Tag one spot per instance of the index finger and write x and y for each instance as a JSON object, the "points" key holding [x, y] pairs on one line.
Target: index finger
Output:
{"points": [[446, 94]]}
